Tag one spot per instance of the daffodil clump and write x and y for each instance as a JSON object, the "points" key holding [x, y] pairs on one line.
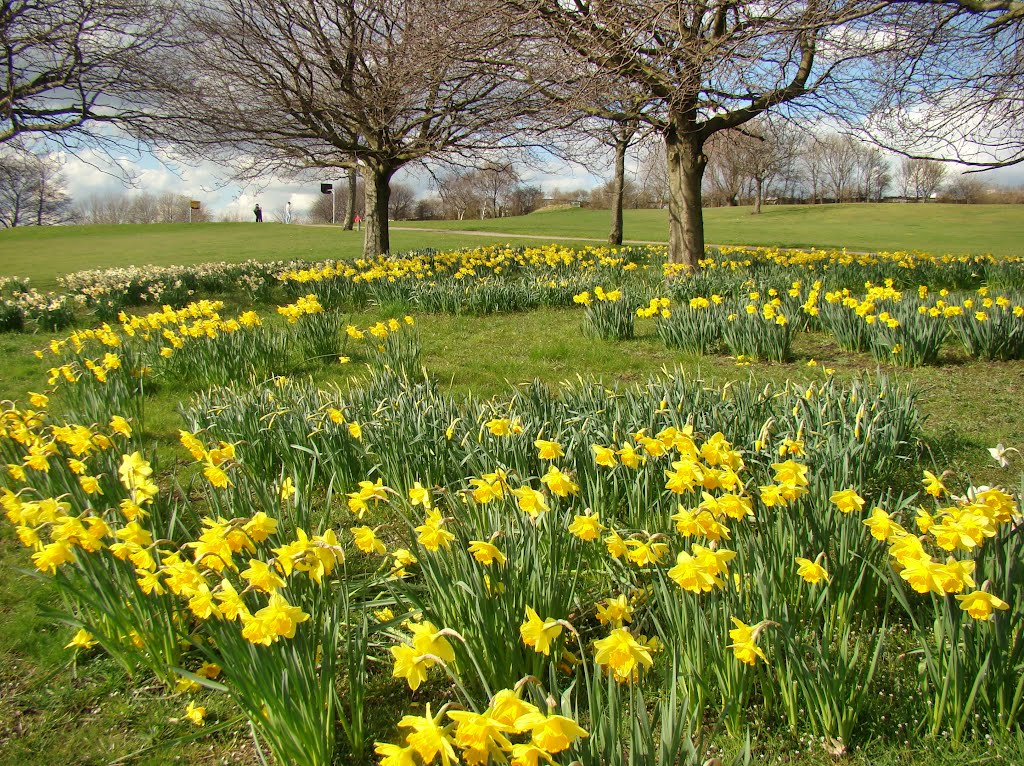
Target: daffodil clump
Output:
{"points": [[394, 344], [606, 542], [694, 325], [566, 573], [473, 281], [609, 313], [315, 332], [107, 292], [989, 326], [910, 329], [193, 343], [307, 305], [145, 587], [463, 280], [759, 328], [867, 302]]}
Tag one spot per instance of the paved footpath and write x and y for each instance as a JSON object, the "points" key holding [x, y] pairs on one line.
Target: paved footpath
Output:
{"points": [[500, 234], [547, 237]]}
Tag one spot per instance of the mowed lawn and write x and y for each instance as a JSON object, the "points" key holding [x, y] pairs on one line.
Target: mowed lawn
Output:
{"points": [[931, 227], [43, 254]]}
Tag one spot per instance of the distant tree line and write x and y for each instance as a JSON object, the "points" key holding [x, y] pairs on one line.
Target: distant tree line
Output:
{"points": [[138, 207]]}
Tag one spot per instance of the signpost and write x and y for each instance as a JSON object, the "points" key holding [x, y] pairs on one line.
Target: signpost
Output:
{"points": [[193, 205]]}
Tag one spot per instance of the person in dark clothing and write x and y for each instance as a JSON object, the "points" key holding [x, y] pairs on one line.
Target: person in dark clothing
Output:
{"points": [[258, 212]]}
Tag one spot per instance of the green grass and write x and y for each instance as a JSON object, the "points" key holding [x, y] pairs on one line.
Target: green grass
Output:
{"points": [[59, 708], [44, 253], [56, 710], [935, 228]]}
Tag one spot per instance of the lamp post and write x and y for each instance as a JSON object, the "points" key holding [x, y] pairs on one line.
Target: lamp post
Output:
{"points": [[329, 189]]}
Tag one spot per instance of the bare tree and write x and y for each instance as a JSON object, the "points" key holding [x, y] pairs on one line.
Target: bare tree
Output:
{"points": [[403, 198], [726, 167], [494, 182], [838, 158], [811, 167], [872, 171], [329, 83], [930, 175], [321, 211], [768, 151], [32, 190], [70, 65], [615, 126], [965, 191], [524, 199], [603, 197], [622, 134], [459, 194], [351, 191], [598, 135], [653, 173], [708, 67], [921, 179], [427, 209]]}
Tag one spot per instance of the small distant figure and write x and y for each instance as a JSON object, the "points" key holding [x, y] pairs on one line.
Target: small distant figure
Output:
{"points": [[258, 212], [358, 221], [288, 212]]}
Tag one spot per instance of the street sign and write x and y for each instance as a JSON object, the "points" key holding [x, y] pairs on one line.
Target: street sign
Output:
{"points": [[326, 188]]}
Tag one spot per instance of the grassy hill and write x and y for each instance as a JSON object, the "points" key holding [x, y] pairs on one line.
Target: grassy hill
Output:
{"points": [[997, 229]]}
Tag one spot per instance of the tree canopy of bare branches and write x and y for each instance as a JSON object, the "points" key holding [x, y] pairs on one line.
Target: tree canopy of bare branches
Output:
{"points": [[703, 68], [484, 191], [377, 84], [70, 65], [920, 179], [950, 87]]}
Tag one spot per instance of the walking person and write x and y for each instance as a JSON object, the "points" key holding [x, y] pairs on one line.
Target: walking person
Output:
{"points": [[288, 212], [258, 212], [358, 222]]}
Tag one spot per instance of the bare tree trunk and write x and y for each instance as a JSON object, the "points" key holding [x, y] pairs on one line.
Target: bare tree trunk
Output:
{"points": [[377, 191], [350, 207], [618, 189], [686, 164], [758, 195]]}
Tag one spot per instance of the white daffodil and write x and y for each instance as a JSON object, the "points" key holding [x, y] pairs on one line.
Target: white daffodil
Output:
{"points": [[999, 453]]}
